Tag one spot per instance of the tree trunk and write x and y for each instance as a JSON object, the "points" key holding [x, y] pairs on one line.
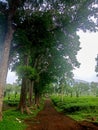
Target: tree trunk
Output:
{"points": [[77, 94], [37, 102], [30, 96], [5, 54], [22, 104], [23, 95], [4, 63]]}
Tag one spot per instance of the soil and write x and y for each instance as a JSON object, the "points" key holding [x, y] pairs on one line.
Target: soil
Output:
{"points": [[50, 119]]}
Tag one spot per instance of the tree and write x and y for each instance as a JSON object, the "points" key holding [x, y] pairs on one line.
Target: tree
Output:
{"points": [[30, 42], [81, 89], [26, 73], [94, 88], [13, 5], [96, 67]]}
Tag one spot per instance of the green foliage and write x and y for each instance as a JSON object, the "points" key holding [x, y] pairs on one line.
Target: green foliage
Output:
{"points": [[81, 89], [20, 38], [12, 102], [77, 107], [96, 67], [26, 71], [12, 97], [12, 92]]}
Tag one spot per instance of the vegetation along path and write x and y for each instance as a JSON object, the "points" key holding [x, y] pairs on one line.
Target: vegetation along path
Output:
{"points": [[50, 119]]}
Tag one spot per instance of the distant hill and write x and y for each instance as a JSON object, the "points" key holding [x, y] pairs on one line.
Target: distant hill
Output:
{"points": [[83, 81], [80, 81]]}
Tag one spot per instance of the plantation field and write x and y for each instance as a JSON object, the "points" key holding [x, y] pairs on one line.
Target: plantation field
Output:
{"points": [[81, 108]]}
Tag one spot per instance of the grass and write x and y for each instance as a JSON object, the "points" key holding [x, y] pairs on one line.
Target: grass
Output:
{"points": [[14, 120], [80, 108], [10, 122]]}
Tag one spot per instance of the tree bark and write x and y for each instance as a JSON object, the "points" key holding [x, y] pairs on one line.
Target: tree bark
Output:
{"points": [[5, 54], [23, 96], [4, 62], [30, 96]]}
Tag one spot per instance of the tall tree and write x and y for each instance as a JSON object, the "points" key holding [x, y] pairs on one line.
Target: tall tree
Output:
{"points": [[94, 88], [26, 73], [12, 7], [30, 39], [96, 67]]}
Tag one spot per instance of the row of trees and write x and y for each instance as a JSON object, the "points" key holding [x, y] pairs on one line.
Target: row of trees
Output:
{"points": [[75, 88], [40, 42]]}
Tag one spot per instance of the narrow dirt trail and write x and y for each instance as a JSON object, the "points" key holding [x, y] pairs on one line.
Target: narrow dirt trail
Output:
{"points": [[50, 119]]}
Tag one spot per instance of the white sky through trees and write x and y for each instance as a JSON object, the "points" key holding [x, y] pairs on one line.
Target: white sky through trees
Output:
{"points": [[11, 77], [86, 56]]}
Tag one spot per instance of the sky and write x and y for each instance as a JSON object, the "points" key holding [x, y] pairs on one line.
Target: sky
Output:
{"points": [[86, 56], [11, 77]]}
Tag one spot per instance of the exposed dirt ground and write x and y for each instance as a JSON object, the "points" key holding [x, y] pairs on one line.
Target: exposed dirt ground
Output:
{"points": [[50, 119]]}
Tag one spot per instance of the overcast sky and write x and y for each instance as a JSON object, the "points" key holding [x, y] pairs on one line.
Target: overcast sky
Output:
{"points": [[11, 77], [86, 56]]}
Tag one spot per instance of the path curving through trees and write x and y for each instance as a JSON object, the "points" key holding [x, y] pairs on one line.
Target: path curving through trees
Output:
{"points": [[50, 119]]}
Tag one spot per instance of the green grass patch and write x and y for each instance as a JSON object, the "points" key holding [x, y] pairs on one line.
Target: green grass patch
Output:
{"points": [[14, 120]]}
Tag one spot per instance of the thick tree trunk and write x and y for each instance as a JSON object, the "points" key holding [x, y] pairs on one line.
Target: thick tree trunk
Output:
{"points": [[4, 63], [30, 96], [23, 96], [6, 50]]}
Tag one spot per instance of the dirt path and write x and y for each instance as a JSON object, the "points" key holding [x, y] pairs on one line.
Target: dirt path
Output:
{"points": [[50, 119]]}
